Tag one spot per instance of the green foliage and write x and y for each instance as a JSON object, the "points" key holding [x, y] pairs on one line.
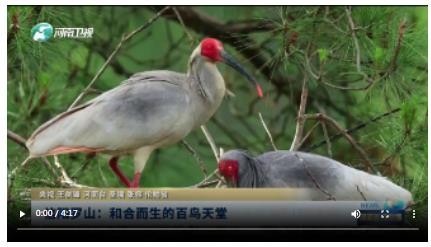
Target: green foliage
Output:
{"points": [[408, 112], [323, 54], [379, 54], [45, 78]]}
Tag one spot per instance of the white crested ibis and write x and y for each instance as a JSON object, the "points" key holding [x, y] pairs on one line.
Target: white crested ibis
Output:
{"points": [[147, 111], [322, 177]]}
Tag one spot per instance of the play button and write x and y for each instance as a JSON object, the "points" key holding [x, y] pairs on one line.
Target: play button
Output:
{"points": [[21, 214]]}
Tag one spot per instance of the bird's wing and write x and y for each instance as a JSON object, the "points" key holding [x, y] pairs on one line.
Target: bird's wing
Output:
{"points": [[141, 111], [300, 170], [305, 170]]}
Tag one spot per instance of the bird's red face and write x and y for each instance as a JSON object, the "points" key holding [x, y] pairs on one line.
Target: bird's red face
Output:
{"points": [[229, 170], [212, 48]]}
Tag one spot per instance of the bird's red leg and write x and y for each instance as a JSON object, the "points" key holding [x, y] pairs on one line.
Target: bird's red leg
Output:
{"points": [[136, 179], [113, 163]]}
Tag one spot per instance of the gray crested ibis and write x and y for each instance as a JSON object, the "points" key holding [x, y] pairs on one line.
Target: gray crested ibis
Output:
{"points": [[320, 176], [147, 111]]}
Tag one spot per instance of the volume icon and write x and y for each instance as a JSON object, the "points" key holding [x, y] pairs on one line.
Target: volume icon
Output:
{"points": [[356, 214]]}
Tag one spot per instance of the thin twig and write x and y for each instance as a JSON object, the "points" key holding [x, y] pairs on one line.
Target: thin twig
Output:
{"points": [[180, 20], [124, 39], [335, 26], [365, 77], [16, 138], [220, 184], [355, 39], [65, 180], [209, 183], [230, 93], [200, 162], [40, 180], [354, 129], [370, 82], [221, 151], [360, 192], [102, 175], [210, 140], [328, 142], [83, 166], [397, 151], [300, 118], [14, 28], [12, 175], [323, 117], [205, 180], [307, 135], [393, 63], [330, 196], [267, 132]]}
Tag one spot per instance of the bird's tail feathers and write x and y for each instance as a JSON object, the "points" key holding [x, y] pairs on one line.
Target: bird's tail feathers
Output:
{"points": [[377, 188]]}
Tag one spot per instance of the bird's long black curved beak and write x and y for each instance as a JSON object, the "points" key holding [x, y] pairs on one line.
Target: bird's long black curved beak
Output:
{"points": [[229, 60]]}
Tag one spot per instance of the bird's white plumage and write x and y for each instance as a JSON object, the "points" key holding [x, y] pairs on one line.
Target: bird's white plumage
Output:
{"points": [[123, 119], [147, 111], [356, 184]]}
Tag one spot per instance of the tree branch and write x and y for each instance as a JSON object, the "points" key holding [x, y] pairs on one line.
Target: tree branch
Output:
{"points": [[16, 138], [300, 121], [123, 40], [200, 162], [308, 135], [355, 39], [267, 132], [365, 77], [180, 20], [363, 155], [64, 179], [393, 63], [205, 182], [249, 26], [202, 23], [210, 140], [328, 142], [330, 196], [351, 130]]}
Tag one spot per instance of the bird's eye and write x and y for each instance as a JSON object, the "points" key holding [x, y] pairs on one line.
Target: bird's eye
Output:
{"points": [[229, 168], [229, 171]]}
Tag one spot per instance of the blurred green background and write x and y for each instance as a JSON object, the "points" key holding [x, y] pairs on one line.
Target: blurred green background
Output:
{"points": [[45, 78]]}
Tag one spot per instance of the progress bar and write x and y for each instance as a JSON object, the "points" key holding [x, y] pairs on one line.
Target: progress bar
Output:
{"points": [[214, 228]]}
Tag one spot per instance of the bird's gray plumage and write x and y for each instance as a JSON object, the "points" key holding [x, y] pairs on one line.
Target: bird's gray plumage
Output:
{"points": [[147, 111], [143, 110], [287, 169], [293, 169], [150, 108]]}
